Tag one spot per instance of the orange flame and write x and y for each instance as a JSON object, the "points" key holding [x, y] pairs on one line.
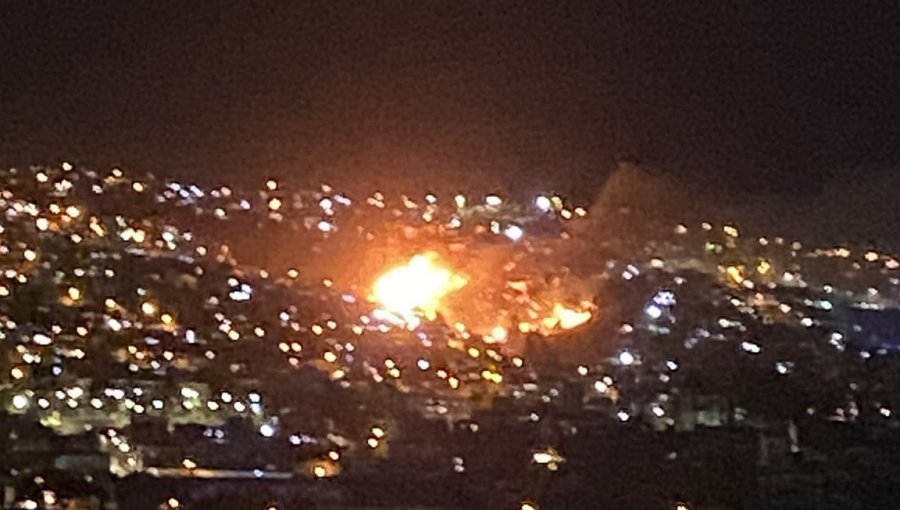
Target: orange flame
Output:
{"points": [[416, 287]]}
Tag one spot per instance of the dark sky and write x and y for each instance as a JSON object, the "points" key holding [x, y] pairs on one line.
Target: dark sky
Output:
{"points": [[524, 94]]}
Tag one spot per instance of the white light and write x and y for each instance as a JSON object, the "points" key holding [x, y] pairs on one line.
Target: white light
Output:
{"points": [[239, 295], [623, 416], [751, 347], [514, 232], [493, 200], [665, 298], [543, 457], [601, 387], [266, 430], [653, 311], [423, 364], [20, 401], [189, 393], [543, 203], [626, 358]]}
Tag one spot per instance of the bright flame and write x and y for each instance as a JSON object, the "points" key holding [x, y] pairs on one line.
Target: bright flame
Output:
{"points": [[566, 318], [416, 287]]}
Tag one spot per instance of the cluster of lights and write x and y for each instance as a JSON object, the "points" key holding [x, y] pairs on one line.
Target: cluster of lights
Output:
{"points": [[152, 330]]}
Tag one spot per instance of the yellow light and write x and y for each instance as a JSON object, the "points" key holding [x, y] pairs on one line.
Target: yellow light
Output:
{"points": [[148, 308], [570, 318], [319, 471], [549, 458], [735, 273], [543, 457], [416, 287], [74, 293], [188, 464]]}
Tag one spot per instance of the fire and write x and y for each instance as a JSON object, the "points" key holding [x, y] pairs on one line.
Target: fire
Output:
{"points": [[416, 287], [569, 318], [566, 318]]}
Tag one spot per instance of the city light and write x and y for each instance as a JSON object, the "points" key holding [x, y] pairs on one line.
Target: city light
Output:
{"points": [[160, 317]]}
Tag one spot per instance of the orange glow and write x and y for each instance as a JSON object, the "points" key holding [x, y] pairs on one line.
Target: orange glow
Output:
{"points": [[416, 287]]}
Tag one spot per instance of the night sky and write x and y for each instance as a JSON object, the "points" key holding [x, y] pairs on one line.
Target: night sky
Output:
{"points": [[759, 96]]}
